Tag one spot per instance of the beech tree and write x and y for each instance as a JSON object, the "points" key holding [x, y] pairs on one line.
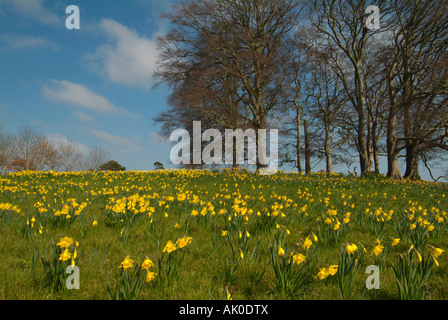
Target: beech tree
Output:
{"points": [[415, 59], [233, 50]]}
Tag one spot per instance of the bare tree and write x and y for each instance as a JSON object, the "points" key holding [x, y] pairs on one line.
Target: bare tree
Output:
{"points": [[236, 48], [341, 39], [45, 155], [96, 157], [70, 156], [417, 82], [327, 102], [7, 150], [27, 143]]}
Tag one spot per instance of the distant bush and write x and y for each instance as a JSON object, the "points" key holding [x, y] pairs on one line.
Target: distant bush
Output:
{"points": [[112, 166]]}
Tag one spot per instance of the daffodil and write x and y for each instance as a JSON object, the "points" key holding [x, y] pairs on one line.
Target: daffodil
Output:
{"points": [[332, 270], [378, 249], [280, 251], [322, 274], [298, 258], [65, 255], [127, 263], [351, 248], [65, 242], [183, 242], [436, 252], [150, 276], [307, 243], [147, 264], [169, 247]]}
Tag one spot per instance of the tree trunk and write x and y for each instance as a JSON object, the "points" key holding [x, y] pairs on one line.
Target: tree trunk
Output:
{"points": [[327, 148], [299, 142], [393, 170], [307, 148], [370, 151], [362, 122], [260, 121], [412, 163]]}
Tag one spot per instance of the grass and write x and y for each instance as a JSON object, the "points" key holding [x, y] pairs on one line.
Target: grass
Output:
{"points": [[236, 202]]}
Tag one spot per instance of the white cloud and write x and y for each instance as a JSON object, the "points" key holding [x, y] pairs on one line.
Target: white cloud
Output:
{"points": [[34, 10], [129, 60], [125, 144], [21, 42], [84, 117], [58, 139], [80, 96], [157, 140]]}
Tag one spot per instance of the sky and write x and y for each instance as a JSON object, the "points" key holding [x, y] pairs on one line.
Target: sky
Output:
{"points": [[92, 85]]}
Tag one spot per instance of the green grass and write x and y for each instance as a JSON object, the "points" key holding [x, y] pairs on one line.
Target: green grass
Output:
{"points": [[202, 274]]}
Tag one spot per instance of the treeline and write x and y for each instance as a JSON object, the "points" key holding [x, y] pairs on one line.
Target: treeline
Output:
{"points": [[30, 150], [338, 90]]}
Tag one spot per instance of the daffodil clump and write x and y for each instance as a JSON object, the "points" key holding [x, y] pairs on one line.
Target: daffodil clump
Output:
{"points": [[170, 261], [63, 254], [131, 279], [350, 261], [413, 270], [293, 270]]}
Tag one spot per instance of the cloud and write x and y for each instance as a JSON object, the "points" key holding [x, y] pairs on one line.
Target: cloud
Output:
{"points": [[157, 140], [80, 96], [21, 42], [34, 10], [124, 143], [129, 60], [58, 139], [84, 117]]}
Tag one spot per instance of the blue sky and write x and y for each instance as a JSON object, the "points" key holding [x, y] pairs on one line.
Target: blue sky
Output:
{"points": [[94, 85]]}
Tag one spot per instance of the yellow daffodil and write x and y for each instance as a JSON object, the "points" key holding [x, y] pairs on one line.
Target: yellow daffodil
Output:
{"points": [[378, 249], [127, 263], [169, 247], [280, 251], [332, 270], [183, 242], [322, 274], [150, 276], [351, 248], [147, 264], [298, 258], [65, 242], [307, 243], [65, 255], [436, 252]]}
